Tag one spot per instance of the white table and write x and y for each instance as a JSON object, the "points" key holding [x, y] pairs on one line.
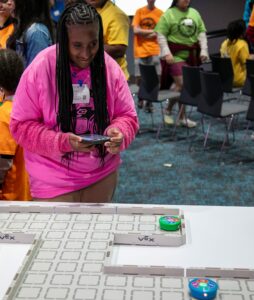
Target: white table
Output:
{"points": [[217, 237]]}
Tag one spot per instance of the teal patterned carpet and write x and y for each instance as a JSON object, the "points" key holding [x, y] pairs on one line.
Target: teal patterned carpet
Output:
{"points": [[166, 172]]}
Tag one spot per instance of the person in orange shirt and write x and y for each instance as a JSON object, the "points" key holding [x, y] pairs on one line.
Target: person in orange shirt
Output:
{"points": [[13, 177], [6, 21], [146, 47], [6, 25]]}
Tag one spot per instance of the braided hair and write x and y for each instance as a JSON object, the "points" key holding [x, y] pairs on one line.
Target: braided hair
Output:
{"points": [[80, 13]]}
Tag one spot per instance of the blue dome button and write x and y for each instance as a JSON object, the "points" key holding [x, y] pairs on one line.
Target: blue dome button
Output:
{"points": [[203, 288]]}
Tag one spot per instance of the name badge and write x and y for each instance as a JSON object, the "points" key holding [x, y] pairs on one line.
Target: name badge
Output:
{"points": [[81, 94]]}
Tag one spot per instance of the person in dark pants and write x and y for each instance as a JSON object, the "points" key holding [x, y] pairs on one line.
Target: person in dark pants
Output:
{"points": [[146, 47]]}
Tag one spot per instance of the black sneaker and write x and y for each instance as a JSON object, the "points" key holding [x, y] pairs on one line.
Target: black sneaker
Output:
{"points": [[140, 103], [148, 108]]}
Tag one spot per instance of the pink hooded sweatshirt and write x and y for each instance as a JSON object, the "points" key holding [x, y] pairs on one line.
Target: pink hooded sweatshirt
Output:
{"points": [[34, 126]]}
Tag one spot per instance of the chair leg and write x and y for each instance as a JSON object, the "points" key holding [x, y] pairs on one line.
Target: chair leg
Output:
{"points": [[187, 128], [228, 127], [190, 140], [177, 119], [246, 131], [207, 134], [203, 131], [202, 124], [234, 120], [226, 136], [158, 132], [152, 119], [162, 115], [162, 123]]}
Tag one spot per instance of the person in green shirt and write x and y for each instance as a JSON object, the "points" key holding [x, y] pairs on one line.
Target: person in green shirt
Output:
{"points": [[182, 38]]}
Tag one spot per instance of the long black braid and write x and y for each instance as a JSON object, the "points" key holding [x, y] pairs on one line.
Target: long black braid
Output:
{"points": [[80, 13]]}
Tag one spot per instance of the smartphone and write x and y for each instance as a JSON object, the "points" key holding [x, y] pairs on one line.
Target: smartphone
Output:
{"points": [[94, 139]]}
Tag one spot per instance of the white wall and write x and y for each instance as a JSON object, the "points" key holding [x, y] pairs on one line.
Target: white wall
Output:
{"points": [[130, 7]]}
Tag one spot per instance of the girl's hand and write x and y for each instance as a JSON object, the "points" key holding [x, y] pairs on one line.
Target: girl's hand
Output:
{"points": [[203, 58], [169, 59], [116, 139], [77, 145], [151, 35]]}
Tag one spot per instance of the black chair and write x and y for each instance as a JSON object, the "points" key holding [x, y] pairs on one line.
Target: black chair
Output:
{"points": [[191, 90], [191, 86], [211, 104], [149, 90], [246, 90], [223, 66], [250, 111]]}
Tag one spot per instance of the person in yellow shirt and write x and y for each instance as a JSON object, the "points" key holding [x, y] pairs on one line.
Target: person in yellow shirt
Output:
{"points": [[237, 49], [146, 47], [13, 177], [115, 30]]}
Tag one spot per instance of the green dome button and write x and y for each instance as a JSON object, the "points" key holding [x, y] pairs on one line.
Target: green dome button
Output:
{"points": [[170, 223]]}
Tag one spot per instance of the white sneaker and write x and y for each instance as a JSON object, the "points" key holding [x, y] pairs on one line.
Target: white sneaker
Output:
{"points": [[252, 136], [186, 123], [168, 119]]}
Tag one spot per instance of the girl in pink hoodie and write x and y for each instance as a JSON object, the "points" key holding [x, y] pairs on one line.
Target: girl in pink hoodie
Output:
{"points": [[70, 89]]}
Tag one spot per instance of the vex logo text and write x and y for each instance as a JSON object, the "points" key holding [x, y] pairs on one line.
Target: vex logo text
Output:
{"points": [[7, 237], [146, 238]]}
